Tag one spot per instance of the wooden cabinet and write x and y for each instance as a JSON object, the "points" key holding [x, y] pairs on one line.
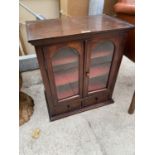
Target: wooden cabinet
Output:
{"points": [[79, 60]]}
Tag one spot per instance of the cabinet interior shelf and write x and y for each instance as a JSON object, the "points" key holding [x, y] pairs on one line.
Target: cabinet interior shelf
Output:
{"points": [[73, 59], [71, 75], [67, 81], [66, 73]]}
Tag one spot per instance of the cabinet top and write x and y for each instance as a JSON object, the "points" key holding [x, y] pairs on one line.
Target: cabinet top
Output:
{"points": [[72, 26]]}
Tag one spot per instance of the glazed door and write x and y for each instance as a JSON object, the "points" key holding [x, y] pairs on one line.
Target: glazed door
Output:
{"points": [[98, 57], [65, 71]]}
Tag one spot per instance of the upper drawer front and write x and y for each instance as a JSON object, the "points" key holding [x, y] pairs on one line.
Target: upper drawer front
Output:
{"points": [[62, 108], [96, 98]]}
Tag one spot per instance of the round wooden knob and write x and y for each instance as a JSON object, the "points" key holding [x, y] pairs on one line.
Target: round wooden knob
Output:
{"points": [[88, 74], [96, 98]]}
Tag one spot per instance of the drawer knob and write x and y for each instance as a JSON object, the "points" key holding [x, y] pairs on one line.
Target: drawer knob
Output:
{"points": [[87, 73]]}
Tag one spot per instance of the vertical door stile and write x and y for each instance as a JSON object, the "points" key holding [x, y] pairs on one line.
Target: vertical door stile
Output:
{"points": [[81, 68], [85, 66], [81, 72], [50, 76]]}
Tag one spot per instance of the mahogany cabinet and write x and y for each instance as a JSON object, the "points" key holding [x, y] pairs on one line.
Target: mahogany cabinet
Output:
{"points": [[79, 58]]}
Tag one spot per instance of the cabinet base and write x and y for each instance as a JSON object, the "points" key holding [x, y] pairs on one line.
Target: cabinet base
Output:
{"points": [[53, 118], [59, 116]]}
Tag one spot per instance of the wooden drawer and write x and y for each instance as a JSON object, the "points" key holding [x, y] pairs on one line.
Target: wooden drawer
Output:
{"points": [[96, 98], [67, 107]]}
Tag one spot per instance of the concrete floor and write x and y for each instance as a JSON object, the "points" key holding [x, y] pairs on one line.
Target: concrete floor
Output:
{"points": [[108, 130]]}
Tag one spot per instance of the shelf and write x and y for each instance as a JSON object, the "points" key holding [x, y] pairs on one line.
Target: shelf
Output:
{"points": [[65, 60], [98, 77], [61, 61], [71, 75], [98, 54], [66, 91], [97, 83], [67, 76], [99, 70]]}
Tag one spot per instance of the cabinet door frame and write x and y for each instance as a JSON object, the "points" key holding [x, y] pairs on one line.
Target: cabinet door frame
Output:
{"points": [[49, 52], [118, 43]]}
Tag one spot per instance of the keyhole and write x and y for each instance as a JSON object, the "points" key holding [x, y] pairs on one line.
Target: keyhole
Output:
{"points": [[96, 98], [68, 106]]}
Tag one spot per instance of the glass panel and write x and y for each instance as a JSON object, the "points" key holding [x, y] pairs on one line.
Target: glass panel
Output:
{"points": [[101, 57], [65, 64]]}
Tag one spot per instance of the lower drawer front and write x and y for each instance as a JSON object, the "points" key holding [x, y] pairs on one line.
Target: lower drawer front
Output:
{"points": [[66, 107], [94, 99]]}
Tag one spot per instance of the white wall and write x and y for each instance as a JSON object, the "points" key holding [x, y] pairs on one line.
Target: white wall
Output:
{"points": [[96, 7]]}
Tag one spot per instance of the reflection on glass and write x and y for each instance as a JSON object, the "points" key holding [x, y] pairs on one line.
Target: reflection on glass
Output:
{"points": [[101, 58], [65, 67]]}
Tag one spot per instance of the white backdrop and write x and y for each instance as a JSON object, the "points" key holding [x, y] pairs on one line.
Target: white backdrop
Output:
{"points": [[96, 7]]}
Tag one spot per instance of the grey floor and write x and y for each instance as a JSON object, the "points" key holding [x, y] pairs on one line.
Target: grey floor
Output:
{"points": [[108, 130]]}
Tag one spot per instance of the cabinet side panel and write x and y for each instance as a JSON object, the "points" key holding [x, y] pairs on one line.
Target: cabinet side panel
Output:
{"points": [[41, 62], [117, 58]]}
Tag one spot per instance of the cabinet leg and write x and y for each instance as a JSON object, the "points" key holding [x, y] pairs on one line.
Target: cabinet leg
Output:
{"points": [[132, 105]]}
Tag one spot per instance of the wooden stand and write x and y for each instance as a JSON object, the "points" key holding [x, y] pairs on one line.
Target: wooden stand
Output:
{"points": [[79, 59]]}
